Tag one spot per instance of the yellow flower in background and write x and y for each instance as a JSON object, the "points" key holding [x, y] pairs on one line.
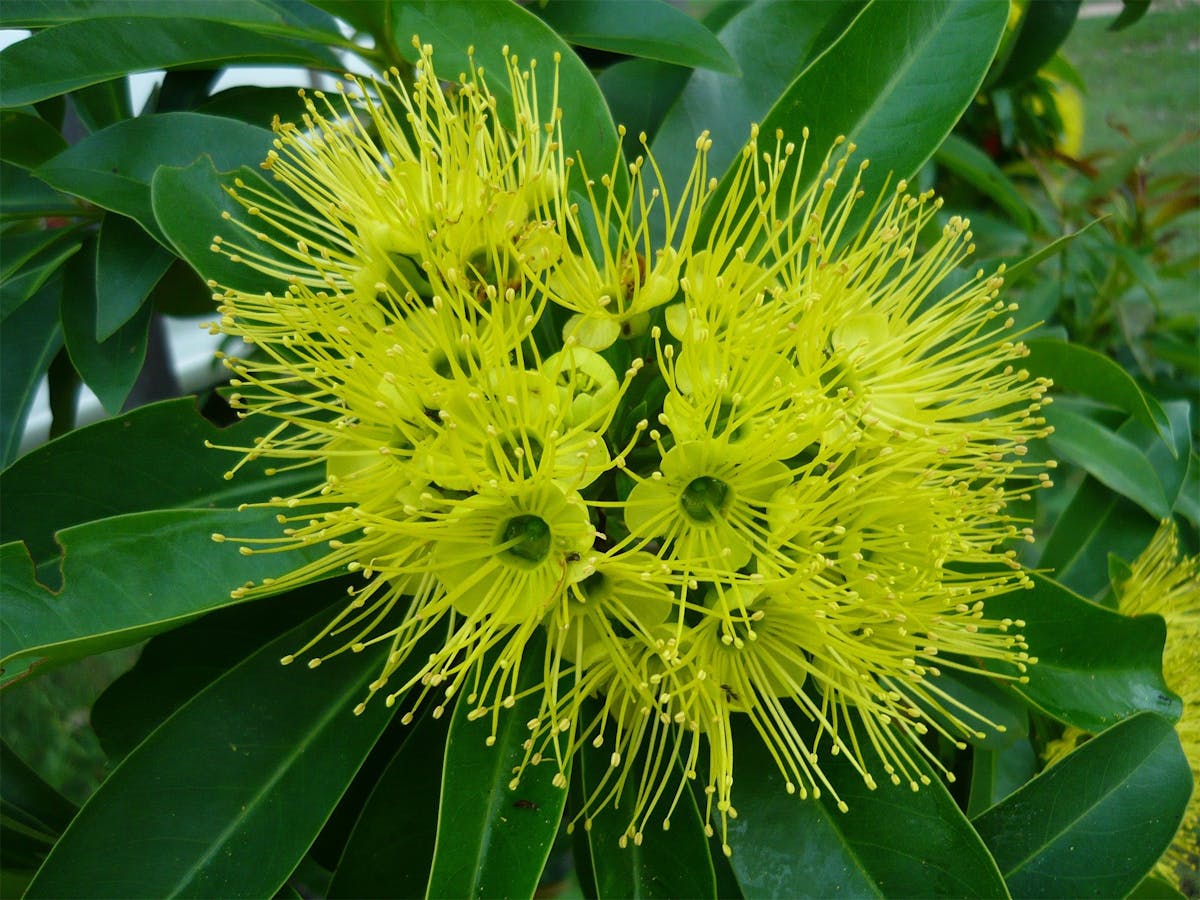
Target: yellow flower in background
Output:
{"points": [[782, 496]]}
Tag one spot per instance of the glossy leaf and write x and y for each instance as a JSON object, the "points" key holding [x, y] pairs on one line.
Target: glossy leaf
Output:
{"points": [[655, 31], [893, 842], [390, 850], [1110, 458], [188, 203], [976, 168], [267, 16], [270, 750], [91, 474], [40, 265], [24, 197], [32, 813], [1097, 521], [1095, 823], [904, 56], [493, 841], [725, 105], [29, 140], [82, 53], [255, 105], [155, 570], [1094, 667], [997, 773], [994, 701], [454, 25], [128, 265], [1079, 370], [178, 664], [639, 110], [114, 167], [29, 338], [1043, 27], [667, 863], [1154, 888], [110, 367]]}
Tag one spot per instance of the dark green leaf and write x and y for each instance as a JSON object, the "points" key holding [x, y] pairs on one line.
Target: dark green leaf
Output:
{"points": [[1108, 457], [995, 702], [1094, 667], [155, 571], [32, 814], [175, 666], [82, 53], [672, 862], [1094, 824], [104, 104], [725, 105], [29, 140], [390, 851], [267, 16], [128, 265], [269, 751], [29, 338], [1154, 888], [188, 205], [1131, 12], [493, 841], [454, 25], [373, 17], [1079, 370], [1025, 267], [904, 56], [114, 167], [1044, 26], [47, 257], [641, 111], [997, 773], [91, 474], [24, 197], [655, 31], [110, 367], [255, 105], [893, 842], [976, 168]]}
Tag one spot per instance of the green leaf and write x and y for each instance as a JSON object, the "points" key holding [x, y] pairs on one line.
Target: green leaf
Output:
{"points": [[725, 105], [1108, 457], [1024, 267], [390, 850], [1094, 667], [893, 842], [111, 367], [154, 571], [1044, 26], [82, 53], [997, 773], [32, 813], [454, 25], [672, 862], [29, 140], [42, 259], [1098, 521], [104, 104], [1095, 823], [269, 750], [493, 841], [1131, 12], [91, 474], [641, 111], [29, 338], [267, 16], [995, 702], [976, 168], [113, 168], [1154, 888], [255, 105], [1079, 370], [24, 197], [188, 205], [178, 664], [655, 31], [128, 265], [916, 55]]}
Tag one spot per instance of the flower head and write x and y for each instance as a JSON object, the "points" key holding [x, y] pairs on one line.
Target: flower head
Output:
{"points": [[787, 507]]}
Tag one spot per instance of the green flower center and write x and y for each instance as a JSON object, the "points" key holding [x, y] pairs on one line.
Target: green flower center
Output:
{"points": [[527, 540], [517, 452], [704, 498]]}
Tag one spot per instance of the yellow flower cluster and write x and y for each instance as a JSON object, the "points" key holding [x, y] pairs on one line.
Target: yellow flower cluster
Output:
{"points": [[734, 455]]}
